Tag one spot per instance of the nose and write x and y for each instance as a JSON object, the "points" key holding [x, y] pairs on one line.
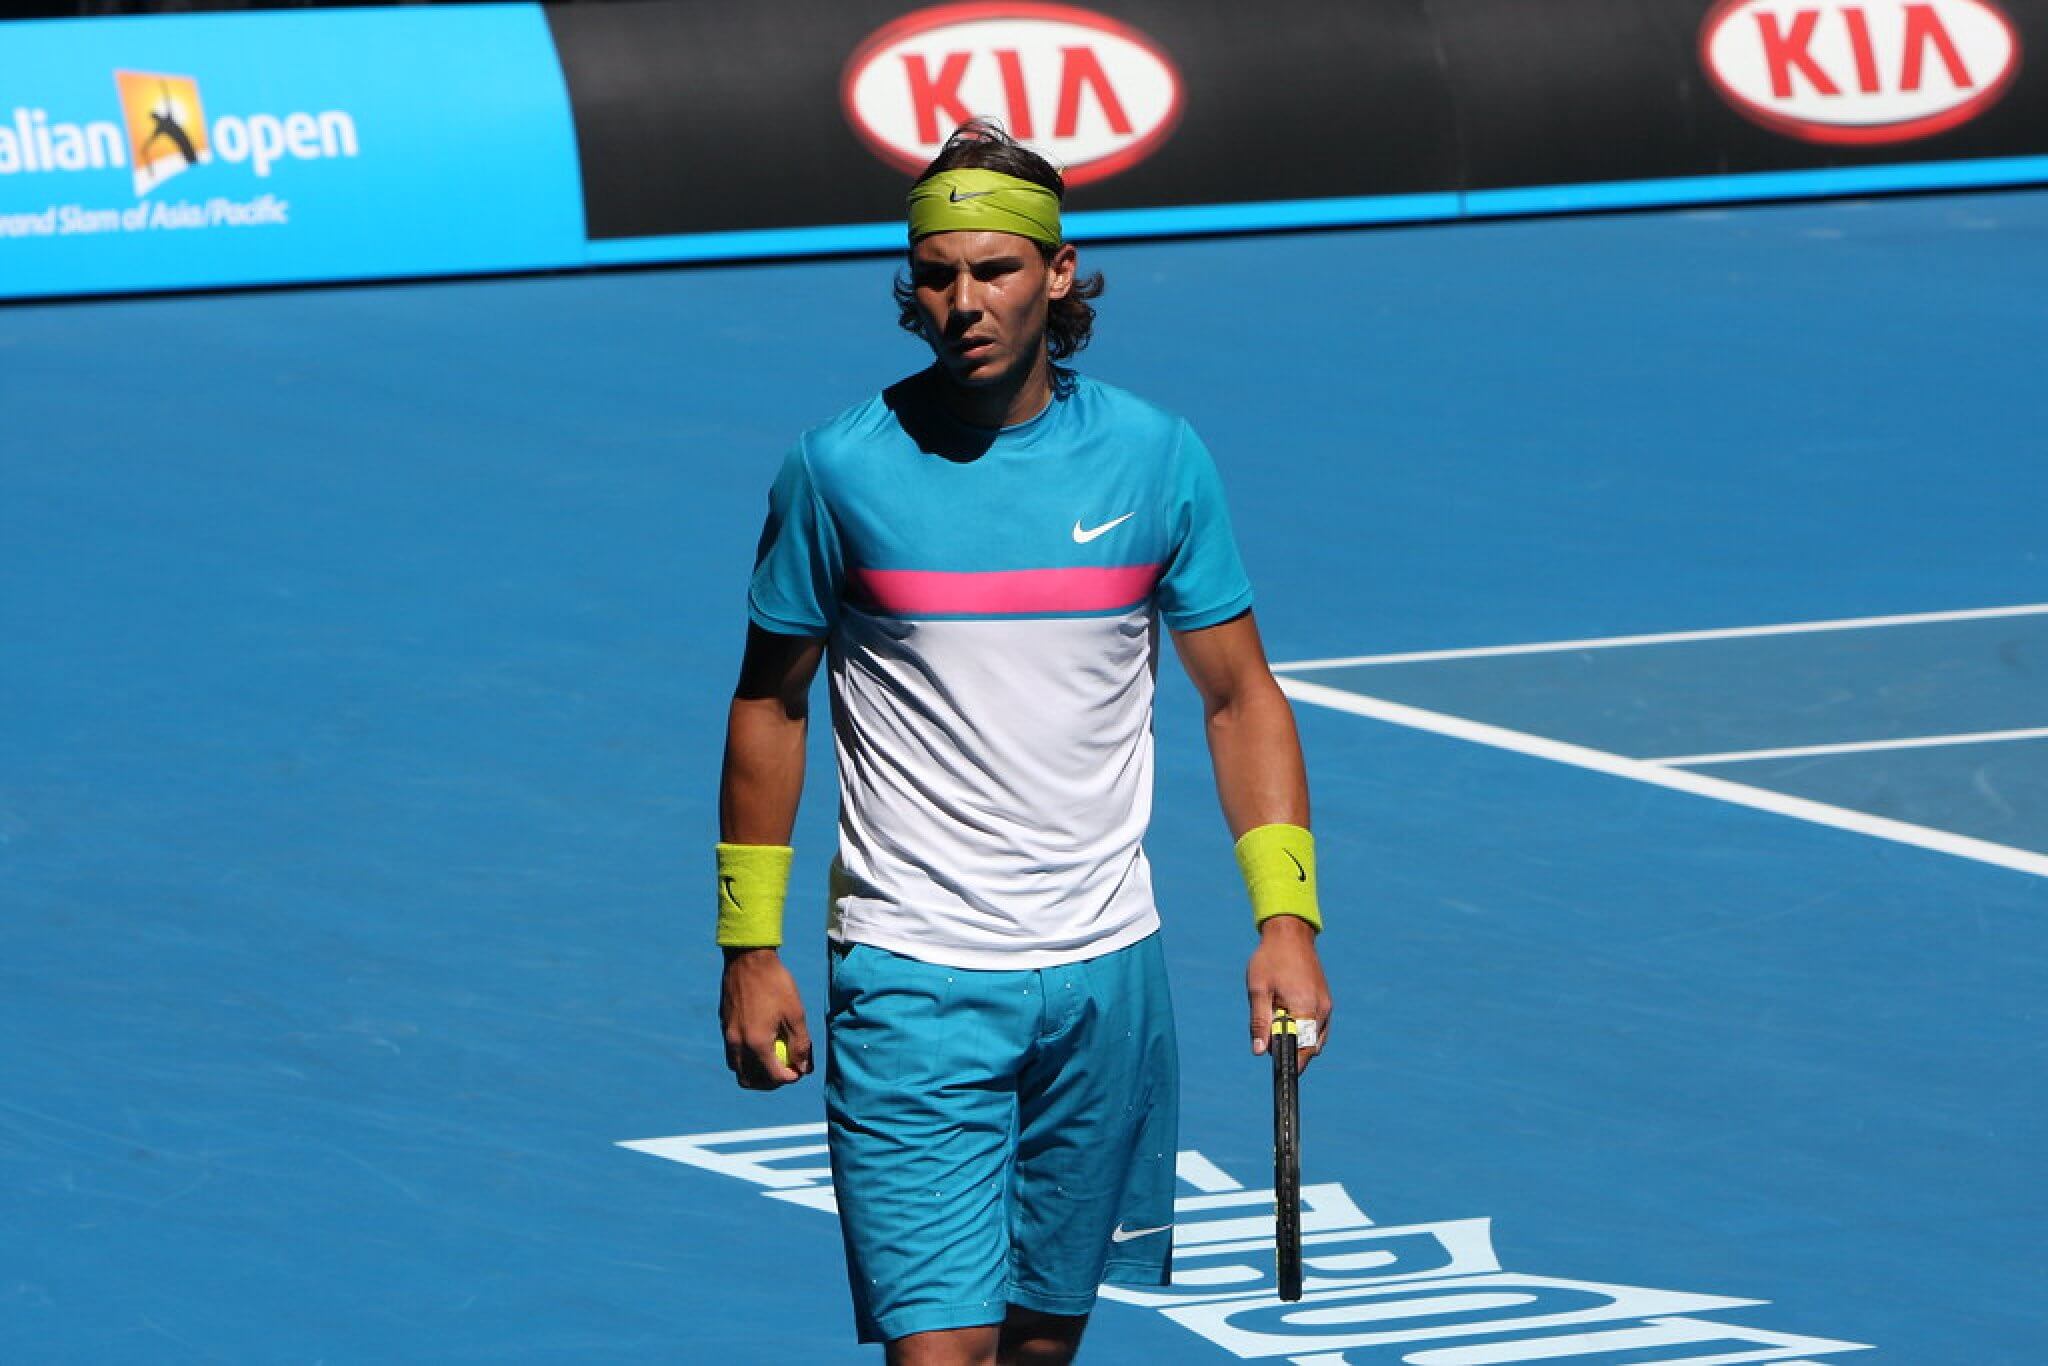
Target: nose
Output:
{"points": [[962, 300]]}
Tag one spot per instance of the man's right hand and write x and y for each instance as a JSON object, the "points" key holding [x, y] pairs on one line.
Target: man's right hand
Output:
{"points": [[758, 1004]]}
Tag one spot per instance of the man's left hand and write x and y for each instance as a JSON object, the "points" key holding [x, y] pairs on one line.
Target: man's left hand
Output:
{"points": [[1286, 972]]}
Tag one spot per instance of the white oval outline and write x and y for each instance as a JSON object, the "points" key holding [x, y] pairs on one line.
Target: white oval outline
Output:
{"points": [[1858, 134], [928, 20]]}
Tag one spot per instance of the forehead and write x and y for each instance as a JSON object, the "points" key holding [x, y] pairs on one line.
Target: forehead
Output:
{"points": [[971, 248]]}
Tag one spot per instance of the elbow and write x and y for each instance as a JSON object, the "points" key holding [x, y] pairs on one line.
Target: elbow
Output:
{"points": [[1250, 697]]}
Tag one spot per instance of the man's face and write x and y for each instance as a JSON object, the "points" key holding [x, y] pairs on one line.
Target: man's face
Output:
{"points": [[983, 297]]}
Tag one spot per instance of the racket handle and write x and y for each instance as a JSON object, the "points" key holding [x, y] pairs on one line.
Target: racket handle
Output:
{"points": [[1285, 1045]]}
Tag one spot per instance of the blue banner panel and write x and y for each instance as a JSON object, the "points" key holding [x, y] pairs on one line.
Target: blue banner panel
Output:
{"points": [[194, 151]]}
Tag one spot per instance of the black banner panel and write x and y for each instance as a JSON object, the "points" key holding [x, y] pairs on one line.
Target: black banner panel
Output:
{"points": [[703, 118], [697, 119], [1572, 91]]}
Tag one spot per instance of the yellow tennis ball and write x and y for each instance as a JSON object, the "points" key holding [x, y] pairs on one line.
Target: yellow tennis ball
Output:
{"points": [[782, 1052]]}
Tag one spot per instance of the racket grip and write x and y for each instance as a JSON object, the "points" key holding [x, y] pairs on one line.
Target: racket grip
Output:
{"points": [[1285, 1046]]}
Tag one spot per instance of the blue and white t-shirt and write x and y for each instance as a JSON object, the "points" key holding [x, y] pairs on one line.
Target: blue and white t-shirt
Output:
{"points": [[991, 603]]}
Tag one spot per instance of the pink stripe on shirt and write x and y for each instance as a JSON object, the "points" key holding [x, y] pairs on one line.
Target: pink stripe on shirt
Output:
{"points": [[1003, 592]]}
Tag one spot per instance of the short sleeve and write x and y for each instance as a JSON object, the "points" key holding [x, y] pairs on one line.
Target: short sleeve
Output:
{"points": [[795, 588], [1204, 582]]}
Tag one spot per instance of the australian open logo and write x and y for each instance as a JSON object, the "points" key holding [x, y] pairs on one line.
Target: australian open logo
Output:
{"points": [[166, 125], [165, 131]]}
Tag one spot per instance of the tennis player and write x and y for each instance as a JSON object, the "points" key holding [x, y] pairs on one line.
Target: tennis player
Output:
{"points": [[981, 556]]}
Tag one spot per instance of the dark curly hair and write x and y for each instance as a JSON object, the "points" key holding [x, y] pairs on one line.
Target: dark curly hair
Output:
{"points": [[981, 144]]}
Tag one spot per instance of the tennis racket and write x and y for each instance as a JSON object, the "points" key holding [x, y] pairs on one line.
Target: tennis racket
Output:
{"points": [[1284, 1047]]}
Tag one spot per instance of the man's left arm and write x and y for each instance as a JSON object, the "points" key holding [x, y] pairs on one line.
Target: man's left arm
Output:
{"points": [[1262, 781]]}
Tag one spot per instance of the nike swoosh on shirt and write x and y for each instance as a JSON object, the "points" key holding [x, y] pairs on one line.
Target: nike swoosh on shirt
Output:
{"points": [[1124, 1235], [1082, 537]]}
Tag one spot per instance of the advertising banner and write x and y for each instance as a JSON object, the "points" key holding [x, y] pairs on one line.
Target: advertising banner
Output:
{"points": [[193, 151], [712, 119], [1809, 96], [200, 150], [710, 131]]}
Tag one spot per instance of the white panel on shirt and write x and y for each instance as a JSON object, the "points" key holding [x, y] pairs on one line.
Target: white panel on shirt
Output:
{"points": [[995, 784]]}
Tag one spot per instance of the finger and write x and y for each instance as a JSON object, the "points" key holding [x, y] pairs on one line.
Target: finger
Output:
{"points": [[799, 1040], [764, 1068], [1262, 1016], [1315, 1036], [756, 1069]]}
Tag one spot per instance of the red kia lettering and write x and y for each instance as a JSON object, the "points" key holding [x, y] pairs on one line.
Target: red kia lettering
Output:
{"points": [[931, 97], [1862, 71], [1094, 94]]}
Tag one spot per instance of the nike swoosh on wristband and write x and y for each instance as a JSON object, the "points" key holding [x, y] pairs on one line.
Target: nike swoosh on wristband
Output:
{"points": [[1082, 537], [1124, 1235]]}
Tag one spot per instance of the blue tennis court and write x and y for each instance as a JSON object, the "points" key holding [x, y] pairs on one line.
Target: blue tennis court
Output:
{"points": [[1663, 598]]}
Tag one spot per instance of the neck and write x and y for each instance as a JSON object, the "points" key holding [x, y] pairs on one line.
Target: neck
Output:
{"points": [[1004, 403]]}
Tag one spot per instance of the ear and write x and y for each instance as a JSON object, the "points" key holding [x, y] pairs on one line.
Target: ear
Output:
{"points": [[1060, 271]]}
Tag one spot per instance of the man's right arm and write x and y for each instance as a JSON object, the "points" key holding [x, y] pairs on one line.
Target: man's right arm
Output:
{"points": [[759, 787]]}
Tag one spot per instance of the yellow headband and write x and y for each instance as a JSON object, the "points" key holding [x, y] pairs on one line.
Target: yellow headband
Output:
{"points": [[984, 201]]}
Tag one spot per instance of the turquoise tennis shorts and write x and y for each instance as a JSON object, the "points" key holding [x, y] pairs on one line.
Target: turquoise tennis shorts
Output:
{"points": [[1001, 1137]]}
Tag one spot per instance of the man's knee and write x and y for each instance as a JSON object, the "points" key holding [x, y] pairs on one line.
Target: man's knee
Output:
{"points": [[1030, 1338], [945, 1347]]}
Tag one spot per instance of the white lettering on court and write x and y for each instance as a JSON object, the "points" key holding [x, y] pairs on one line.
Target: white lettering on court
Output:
{"points": [[1372, 1295]]}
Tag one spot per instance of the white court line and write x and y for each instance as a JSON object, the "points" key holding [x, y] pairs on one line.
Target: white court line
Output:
{"points": [[1677, 779], [1979, 737], [1671, 637]]}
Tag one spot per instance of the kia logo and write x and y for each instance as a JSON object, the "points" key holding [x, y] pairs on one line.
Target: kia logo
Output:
{"points": [[1863, 71], [1096, 95]]}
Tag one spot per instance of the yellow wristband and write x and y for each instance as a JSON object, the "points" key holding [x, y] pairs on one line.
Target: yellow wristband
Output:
{"points": [[1279, 867], [753, 882]]}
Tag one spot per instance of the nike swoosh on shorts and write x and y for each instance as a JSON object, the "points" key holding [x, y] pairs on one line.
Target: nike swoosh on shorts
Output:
{"points": [[1124, 1235]]}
